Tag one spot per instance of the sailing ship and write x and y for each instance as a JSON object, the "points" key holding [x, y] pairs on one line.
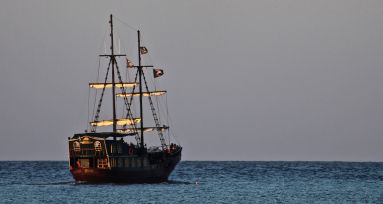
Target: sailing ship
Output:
{"points": [[107, 156]]}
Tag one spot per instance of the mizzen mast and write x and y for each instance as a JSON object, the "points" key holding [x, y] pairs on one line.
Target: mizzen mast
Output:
{"points": [[140, 87]]}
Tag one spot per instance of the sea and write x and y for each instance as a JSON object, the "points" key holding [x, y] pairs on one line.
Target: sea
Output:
{"points": [[202, 182]]}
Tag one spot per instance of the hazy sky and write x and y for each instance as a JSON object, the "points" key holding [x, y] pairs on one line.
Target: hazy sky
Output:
{"points": [[247, 80]]}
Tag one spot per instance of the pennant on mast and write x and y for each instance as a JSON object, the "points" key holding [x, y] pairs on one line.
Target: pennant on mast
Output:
{"points": [[129, 63]]}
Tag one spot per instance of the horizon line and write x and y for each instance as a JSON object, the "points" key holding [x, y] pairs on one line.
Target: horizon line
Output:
{"points": [[350, 161]]}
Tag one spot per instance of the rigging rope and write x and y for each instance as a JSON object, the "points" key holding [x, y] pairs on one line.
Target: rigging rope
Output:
{"points": [[126, 24], [101, 97], [167, 116], [95, 95], [156, 99], [158, 103], [87, 124], [129, 113], [158, 126]]}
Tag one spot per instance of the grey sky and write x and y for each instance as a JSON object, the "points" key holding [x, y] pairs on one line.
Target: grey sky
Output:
{"points": [[247, 80]]}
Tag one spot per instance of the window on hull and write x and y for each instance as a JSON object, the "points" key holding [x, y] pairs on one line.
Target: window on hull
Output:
{"points": [[102, 163]]}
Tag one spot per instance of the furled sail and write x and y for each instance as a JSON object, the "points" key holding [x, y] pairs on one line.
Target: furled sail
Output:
{"points": [[109, 85], [146, 129], [153, 93], [121, 121]]}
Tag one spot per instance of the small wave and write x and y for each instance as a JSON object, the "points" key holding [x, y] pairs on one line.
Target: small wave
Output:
{"points": [[38, 184], [179, 182], [166, 182], [51, 183]]}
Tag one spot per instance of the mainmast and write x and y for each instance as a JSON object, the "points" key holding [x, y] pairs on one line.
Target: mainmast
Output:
{"points": [[112, 58], [140, 85]]}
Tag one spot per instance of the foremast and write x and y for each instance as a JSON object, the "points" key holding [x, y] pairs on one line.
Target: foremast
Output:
{"points": [[113, 59], [140, 73], [113, 64]]}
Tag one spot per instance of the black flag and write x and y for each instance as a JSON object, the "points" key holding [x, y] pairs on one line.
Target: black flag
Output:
{"points": [[143, 50], [158, 72]]}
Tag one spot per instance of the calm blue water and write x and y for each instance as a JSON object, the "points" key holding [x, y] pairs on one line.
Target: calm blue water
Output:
{"points": [[217, 182]]}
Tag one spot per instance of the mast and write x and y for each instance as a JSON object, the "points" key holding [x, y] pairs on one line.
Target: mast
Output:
{"points": [[113, 82], [140, 82]]}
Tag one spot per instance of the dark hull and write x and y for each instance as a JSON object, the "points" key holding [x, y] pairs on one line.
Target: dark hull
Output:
{"points": [[150, 174]]}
